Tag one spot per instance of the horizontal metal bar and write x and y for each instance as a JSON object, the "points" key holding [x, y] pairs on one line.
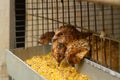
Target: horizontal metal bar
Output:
{"points": [[109, 38], [20, 20]]}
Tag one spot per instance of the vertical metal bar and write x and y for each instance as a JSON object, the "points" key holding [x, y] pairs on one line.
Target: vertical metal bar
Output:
{"points": [[88, 13], [112, 21], [119, 56], [15, 42], [103, 42], [88, 16], [52, 15], [103, 18], [74, 3], [68, 11], [32, 20], [26, 23], [47, 15], [96, 41], [81, 17], [104, 46], [42, 16], [61, 1], [57, 14], [95, 18], [37, 1], [63, 12], [110, 55], [102, 50]]}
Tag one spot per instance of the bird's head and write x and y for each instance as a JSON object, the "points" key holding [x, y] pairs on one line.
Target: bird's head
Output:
{"points": [[64, 34], [58, 51], [46, 38]]}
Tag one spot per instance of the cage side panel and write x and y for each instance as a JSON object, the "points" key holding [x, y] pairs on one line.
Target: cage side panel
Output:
{"points": [[18, 70], [106, 52], [95, 73], [25, 54], [23, 71]]}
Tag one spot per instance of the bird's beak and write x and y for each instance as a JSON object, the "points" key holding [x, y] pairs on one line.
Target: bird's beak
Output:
{"points": [[54, 39]]}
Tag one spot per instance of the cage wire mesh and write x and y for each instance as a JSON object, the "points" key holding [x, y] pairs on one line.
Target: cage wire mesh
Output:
{"points": [[47, 15]]}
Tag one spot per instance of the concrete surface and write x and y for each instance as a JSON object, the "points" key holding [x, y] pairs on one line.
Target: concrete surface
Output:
{"points": [[4, 35]]}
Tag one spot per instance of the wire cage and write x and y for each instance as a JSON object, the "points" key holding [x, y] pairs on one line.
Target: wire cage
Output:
{"points": [[47, 15]]}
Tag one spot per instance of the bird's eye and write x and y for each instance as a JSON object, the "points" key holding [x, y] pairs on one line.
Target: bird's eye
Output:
{"points": [[60, 34]]}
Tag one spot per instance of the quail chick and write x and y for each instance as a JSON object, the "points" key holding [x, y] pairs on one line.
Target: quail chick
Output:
{"points": [[68, 33], [77, 45], [58, 51], [46, 38], [76, 51]]}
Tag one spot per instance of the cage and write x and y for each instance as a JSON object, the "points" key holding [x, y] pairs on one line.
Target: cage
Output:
{"points": [[42, 16], [45, 16]]}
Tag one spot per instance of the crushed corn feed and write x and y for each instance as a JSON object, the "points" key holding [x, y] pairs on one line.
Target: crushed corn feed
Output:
{"points": [[47, 66]]}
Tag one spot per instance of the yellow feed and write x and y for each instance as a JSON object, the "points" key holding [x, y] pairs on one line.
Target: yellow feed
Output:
{"points": [[47, 66]]}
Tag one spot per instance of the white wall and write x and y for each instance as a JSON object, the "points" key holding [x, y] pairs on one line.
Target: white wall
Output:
{"points": [[4, 35], [4, 27]]}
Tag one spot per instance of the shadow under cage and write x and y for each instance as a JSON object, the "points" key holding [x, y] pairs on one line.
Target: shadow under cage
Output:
{"points": [[47, 15]]}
